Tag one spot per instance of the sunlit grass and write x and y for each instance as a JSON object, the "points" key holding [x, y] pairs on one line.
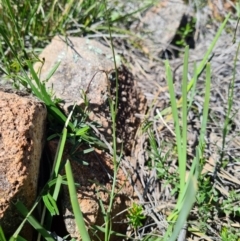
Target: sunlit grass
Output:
{"points": [[24, 34]]}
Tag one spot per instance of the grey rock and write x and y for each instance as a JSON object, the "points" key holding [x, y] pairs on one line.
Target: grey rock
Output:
{"points": [[160, 23], [87, 66]]}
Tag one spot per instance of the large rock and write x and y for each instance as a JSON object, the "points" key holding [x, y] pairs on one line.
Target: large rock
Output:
{"points": [[22, 127], [87, 66], [160, 23]]}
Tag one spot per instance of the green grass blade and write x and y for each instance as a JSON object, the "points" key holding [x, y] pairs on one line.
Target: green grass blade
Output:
{"points": [[19, 238], [206, 103], [55, 172], [74, 202], [202, 64], [42, 92], [23, 210], [13, 19], [176, 125], [193, 90], [184, 117], [48, 205], [121, 18], [105, 217], [206, 56], [52, 71], [16, 233], [31, 17], [82, 131], [188, 202], [61, 145], [48, 219], [59, 154], [53, 204], [57, 187], [2, 236], [230, 103]]}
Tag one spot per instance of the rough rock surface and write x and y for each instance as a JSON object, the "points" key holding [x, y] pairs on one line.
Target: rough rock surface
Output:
{"points": [[22, 127], [159, 25], [100, 171], [87, 67], [95, 185]]}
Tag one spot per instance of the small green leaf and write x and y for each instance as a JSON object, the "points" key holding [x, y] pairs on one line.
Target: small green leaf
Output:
{"points": [[50, 204], [2, 236], [82, 131], [53, 203]]}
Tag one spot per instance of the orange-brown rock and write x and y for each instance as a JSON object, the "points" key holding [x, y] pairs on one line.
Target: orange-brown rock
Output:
{"points": [[22, 126], [95, 184]]}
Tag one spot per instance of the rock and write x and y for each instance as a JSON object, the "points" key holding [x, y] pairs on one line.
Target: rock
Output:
{"points": [[87, 67], [22, 127], [95, 181], [160, 24]]}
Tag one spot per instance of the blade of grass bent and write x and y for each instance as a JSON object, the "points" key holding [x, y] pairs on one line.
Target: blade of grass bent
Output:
{"points": [[43, 191], [52, 71], [50, 204]]}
